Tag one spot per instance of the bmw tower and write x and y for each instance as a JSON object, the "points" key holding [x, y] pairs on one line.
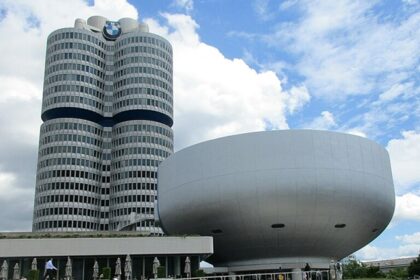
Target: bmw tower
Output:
{"points": [[107, 115]]}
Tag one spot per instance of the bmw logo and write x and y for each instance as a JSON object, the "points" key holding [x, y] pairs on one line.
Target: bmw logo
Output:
{"points": [[112, 30]]}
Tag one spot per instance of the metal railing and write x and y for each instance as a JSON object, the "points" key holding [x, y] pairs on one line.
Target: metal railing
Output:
{"points": [[294, 275]]}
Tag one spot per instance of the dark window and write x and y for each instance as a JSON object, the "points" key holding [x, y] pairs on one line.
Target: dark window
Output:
{"points": [[340, 226], [277, 225]]}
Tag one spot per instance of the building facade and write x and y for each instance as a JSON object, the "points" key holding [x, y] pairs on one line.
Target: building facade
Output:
{"points": [[107, 114], [84, 248], [278, 198]]}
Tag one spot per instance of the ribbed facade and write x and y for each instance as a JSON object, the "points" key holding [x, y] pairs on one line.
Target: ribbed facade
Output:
{"points": [[107, 116]]}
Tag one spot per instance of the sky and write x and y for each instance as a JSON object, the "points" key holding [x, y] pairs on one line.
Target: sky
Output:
{"points": [[241, 66]]}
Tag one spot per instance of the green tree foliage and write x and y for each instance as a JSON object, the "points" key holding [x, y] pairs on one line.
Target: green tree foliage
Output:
{"points": [[161, 272], [106, 273], [33, 275], [397, 273], [414, 268], [354, 269], [198, 273]]}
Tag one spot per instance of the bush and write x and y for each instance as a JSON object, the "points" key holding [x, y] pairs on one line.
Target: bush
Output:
{"points": [[33, 275], [414, 268], [199, 273], [354, 269], [106, 272], [161, 271], [374, 272], [397, 273]]}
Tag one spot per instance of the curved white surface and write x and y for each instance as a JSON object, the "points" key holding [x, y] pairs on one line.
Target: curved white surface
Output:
{"points": [[128, 25], [310, 181], [97, 21]]}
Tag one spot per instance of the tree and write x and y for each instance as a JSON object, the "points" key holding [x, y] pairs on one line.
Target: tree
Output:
{"points": [[414, 267], [353, 269], [397, 273], [374, 272]]}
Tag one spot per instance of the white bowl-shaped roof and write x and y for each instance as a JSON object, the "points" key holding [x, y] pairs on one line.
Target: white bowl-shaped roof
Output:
{"points": [[278, 197]]}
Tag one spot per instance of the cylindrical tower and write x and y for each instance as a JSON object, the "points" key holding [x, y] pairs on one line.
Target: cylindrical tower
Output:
{"points": [[143, 136], [107, 112], [69, 167]]}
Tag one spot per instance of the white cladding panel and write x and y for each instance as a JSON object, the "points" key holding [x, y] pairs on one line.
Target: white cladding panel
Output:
{"points": [[105, 246], [235, 188]]}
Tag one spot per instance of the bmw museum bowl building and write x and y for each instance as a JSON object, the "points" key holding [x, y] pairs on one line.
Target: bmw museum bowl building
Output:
{"points": [[278, 198]]}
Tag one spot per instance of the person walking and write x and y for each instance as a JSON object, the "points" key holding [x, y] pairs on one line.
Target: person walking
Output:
{"points": [[49, 270], [308, 271]]}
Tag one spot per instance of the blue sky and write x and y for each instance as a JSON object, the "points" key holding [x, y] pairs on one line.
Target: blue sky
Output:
{"points": [[349, 66]]}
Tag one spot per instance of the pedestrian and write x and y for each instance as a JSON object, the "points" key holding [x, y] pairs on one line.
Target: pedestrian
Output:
{"points": [[338, 271], [318, 275], [49, 270], [308, 271]]}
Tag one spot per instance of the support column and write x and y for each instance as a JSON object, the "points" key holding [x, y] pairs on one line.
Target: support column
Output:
{"points": [[177, 265], [143, 267], [296, 274], [83, 268], [57, 272]]}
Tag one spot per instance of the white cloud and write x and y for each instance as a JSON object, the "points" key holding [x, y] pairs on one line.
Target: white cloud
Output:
{"points": [[17, 204], [410, 238], [6, 180], [411, 2], [222, 96], [345, 49], [407, 207], [17, 88], [188, 5], [261, 7], [409, 246], [405, 159], [373, 253], [356, 132], [396, 90], [287, 4], [298, 97], [324, 122]]}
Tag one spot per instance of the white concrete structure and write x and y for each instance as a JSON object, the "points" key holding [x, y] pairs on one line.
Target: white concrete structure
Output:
{"points": [[387, 265], [105, 247], [85, 248], [278, 198]]}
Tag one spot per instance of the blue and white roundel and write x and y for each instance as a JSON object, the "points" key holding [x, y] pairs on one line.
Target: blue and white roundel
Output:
{"points": [[112, 30]]}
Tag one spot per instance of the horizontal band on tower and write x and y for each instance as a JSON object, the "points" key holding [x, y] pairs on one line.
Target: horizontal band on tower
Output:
{"points": [[78, 113]]}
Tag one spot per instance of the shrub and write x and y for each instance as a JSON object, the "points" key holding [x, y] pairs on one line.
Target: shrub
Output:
{"points": [[414, 268], [106, 272], [161, 272], [33, 275], [199, 273], [397, 273]]}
